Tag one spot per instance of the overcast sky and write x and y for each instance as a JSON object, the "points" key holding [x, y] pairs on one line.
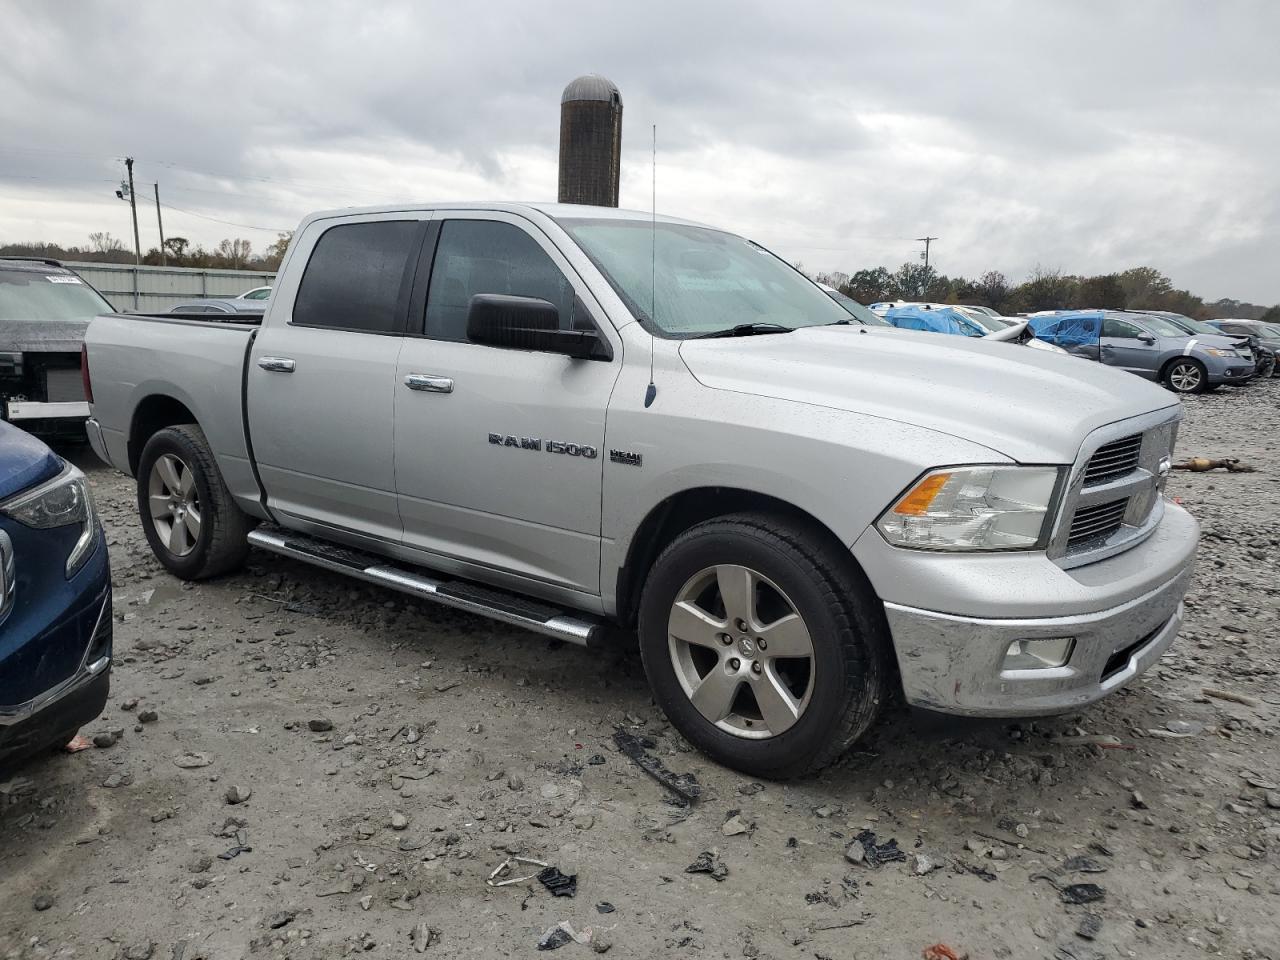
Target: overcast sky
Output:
{"points": [[1084, 136]]}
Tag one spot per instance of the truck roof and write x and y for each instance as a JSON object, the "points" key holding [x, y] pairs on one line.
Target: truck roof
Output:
{"points": [[554, 211]]}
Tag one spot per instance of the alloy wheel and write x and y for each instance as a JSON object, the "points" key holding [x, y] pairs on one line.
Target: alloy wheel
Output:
{"points": [[1185, 377], [741, 651], [175, 504]]}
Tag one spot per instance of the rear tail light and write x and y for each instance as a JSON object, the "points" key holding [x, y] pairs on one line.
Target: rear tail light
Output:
{"points": [[84, 372]]}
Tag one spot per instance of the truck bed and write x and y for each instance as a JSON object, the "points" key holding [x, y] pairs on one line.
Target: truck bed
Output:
{"points": [[139, 362]]}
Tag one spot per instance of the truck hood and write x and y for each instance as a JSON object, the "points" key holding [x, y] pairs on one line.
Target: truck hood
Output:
{"points": [[42, 336], [1029, 405]]}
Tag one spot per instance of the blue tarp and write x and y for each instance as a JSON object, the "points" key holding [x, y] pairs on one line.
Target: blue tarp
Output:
{"points": [[1071, 328], [934, 320]]}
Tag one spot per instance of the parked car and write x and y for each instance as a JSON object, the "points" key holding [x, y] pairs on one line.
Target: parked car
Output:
{"points": [[971, 321], [1264, 357], [959, 321], [45, 309], [257, 293], [216, 305], [575, 419], [1268, 334], [55, 600], [1151, 347]]}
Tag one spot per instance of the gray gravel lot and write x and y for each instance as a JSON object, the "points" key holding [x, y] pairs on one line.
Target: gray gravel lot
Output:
{"points": [[386, 756]]}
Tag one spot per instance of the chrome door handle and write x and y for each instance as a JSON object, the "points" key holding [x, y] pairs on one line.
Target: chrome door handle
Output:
{"points": [[428, 384], [276, 364]]}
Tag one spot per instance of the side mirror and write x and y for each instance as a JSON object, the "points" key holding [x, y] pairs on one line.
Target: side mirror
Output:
{"points": [[526, 323], [1147, 338]]}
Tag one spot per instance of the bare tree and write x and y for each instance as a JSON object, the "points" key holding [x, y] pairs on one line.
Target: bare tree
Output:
{"points": [[237, 251], [105, 243]]}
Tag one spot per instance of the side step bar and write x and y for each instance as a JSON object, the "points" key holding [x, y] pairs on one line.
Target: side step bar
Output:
{"points": [[510, 608]]}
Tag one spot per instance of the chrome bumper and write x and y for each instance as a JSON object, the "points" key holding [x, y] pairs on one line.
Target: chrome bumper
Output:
{"points": [[32, 410], [955, 664], [99, 444], [85, 674]]}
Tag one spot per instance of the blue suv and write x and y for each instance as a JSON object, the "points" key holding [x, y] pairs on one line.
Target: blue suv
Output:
{"points": [[55, 600]]}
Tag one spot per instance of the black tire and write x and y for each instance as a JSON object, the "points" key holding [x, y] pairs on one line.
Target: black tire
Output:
{"points": [[851, 662], [1185, 375], [221, 545]]}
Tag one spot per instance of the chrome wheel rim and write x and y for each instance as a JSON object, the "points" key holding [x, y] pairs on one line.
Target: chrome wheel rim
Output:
{"points": [[741, 651], [175, 504], [1185, 377]]}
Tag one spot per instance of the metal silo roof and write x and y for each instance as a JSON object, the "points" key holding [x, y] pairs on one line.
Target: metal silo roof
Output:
{"points": [[592, 86]]}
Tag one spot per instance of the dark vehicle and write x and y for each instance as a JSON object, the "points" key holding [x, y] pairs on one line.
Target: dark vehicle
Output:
{"points": [[1264, 355], [44, 311], [1268, 334], [55, 600]]}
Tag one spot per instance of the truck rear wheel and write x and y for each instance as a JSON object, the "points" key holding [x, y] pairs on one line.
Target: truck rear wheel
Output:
{"points": [[764, 647], [193, 525]]}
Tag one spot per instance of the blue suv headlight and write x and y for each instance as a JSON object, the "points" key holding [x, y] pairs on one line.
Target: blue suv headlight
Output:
{"points": [[62, 502]]}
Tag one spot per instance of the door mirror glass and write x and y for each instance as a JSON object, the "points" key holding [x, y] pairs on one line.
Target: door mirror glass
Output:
{"points": [[526, 323]]}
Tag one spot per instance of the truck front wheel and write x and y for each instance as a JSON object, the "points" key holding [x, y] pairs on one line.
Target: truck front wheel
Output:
{"points": [[764, 647], [192, 524]]}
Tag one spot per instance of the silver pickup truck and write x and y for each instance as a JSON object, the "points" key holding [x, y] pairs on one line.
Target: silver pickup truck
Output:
{"points": [[576, 419]]}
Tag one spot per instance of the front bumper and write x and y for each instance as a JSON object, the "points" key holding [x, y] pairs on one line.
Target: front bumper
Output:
{"points": [[1123, 612], [1222, 370]]}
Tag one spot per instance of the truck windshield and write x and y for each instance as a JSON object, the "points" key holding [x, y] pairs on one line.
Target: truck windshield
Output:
{"points": [[36, 295], [682, 281], [857, 310]]}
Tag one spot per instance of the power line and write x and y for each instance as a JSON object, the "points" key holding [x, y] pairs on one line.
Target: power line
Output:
{"points": [[229, 223]]}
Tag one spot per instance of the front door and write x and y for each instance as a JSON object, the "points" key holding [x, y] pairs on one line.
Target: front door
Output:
{"points": [[499, 452], [321, 381], [1120, 346]]}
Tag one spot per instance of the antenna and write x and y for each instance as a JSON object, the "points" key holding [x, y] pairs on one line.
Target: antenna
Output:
{"points": [[651, 391]]}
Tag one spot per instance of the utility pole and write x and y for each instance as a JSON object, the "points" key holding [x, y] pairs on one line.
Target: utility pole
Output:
{"points": [[133, 205], [164, 260], [926, 241]]}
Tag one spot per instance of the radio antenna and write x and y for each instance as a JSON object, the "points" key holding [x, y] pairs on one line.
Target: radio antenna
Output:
{"points": [[652, 391]]}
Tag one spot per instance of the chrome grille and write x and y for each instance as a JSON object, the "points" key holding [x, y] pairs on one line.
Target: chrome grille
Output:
{"points": [[1113, 500], [1114, 459], [1097, 522]]}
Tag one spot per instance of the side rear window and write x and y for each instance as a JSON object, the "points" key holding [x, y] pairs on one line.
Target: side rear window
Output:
{"points": [[358, 277], [486, 256]]}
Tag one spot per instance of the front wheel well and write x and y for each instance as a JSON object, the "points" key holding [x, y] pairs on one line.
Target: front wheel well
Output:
{"points": [[151, 416], [678, 513]]}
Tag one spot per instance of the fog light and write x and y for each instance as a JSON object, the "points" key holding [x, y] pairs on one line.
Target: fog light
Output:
{"points": [[1038, 654]]}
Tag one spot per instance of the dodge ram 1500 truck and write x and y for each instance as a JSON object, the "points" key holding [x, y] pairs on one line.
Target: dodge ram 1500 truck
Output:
{"points": [[572, 418]]}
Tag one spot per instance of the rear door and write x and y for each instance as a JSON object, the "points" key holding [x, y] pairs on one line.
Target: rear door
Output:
{"points": [[499, 452], [1120, 346], [322, 374]]}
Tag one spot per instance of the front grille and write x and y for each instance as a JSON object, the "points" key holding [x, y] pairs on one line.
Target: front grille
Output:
{"points": [[1113, 460], [63, 385], [1097, 522]]}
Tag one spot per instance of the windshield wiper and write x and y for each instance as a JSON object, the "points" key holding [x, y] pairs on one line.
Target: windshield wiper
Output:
{"points": [[745, 330]]}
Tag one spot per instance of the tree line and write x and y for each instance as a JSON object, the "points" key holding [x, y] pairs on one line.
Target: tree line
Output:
{"points": [[230, 254], [1139, 288]]}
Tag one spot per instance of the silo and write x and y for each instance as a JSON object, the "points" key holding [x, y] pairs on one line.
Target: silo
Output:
{"points": [[590, 141]]}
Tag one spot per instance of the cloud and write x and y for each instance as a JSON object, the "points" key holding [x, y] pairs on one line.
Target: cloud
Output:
{"points": [[1088, 136]]}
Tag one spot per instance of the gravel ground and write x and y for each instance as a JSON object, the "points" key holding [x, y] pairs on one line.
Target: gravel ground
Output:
{"points": [[384, 756]]}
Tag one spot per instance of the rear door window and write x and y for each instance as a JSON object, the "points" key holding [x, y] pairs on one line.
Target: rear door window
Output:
{"points": [[358, 277]]}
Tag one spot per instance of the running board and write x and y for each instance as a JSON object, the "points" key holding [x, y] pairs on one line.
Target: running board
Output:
{"points": [[488, 602]]}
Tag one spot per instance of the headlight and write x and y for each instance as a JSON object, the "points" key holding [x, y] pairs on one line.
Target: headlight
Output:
{"points": [[62, 502], [1216, 352], [974, 508]]}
